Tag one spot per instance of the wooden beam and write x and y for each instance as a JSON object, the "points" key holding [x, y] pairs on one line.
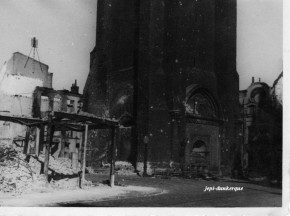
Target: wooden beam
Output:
{"points": [[113, 154], [69, 127], [37, 138], [82, 143], [85, 152], [41, 138], [62, 140], [47, 146], [86, 119], [26, 142], [21, 120]]}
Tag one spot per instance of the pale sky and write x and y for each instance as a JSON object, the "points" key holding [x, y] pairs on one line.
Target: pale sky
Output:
{"points": [[259, 40], [66, 32]]}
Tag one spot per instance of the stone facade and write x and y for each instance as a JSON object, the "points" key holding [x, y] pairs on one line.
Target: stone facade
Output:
{"points": [[66, 143], [171, 67], [261, 111]]}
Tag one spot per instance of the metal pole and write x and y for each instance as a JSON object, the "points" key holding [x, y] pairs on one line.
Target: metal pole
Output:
{"points": [[47, 147], [145, 160], [112, 168], [136, 79], [85, 152], [145, 140]]}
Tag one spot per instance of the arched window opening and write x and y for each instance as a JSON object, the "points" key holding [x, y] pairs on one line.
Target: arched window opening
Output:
{"points": [[200, 105]]}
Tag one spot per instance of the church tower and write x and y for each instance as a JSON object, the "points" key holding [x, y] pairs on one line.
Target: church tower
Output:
{"points": [[170, 66]]}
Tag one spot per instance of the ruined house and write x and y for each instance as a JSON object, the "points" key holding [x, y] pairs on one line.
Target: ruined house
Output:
{"points": [[169, 69], [26, 92], [261, 111], [17, 83]]}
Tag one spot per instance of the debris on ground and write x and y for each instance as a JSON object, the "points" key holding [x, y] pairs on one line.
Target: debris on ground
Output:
{"points": [[121, 168], [140, 168], [21, 173], [124, 168], [90, 169], [16, 174], [67, 183], [60, 165]]}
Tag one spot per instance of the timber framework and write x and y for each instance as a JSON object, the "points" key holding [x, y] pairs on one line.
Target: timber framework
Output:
{"points": [[61, 121]]}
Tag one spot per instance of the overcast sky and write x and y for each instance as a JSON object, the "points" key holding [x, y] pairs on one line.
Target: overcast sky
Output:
{"points": [[259, 40], [66, 33], [65, 30]]}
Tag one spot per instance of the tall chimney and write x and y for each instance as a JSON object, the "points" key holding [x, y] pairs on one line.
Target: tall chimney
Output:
{"points": [[74, 88], [253, 79]]}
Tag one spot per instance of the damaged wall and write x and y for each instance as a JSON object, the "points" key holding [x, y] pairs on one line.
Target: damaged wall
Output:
{"points": [[16, 105], [19, 85], [22, 65], [19, 78]]}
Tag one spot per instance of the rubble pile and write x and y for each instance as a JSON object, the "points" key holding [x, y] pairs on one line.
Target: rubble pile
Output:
{"points": [[71, 183], [90, 169], [16, 174], [124, 168], [65, 183], [140, 168], [20, 174], [60, 165]]}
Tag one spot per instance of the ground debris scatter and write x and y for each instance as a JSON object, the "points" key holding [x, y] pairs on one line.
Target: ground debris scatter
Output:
{"points": [[124, 168], [22, 174]]}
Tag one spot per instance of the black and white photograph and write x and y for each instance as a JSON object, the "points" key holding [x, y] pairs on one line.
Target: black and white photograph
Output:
{"points": [[166, 105]]}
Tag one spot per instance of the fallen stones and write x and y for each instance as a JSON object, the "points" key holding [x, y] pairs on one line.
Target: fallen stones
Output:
{"points": [[19, 176]]}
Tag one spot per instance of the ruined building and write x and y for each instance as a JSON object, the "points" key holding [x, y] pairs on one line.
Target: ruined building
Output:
{"points": [[17, 83], [26, 92], [169, 69], [261, 111]]}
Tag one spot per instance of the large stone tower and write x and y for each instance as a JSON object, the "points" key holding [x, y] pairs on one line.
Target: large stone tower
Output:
{"points": [[171, 66]]}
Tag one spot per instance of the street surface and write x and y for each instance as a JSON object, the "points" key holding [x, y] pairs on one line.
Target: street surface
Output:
{"points": [[178, 192]]}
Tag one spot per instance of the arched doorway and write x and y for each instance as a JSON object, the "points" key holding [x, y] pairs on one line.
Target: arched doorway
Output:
{"points": [[199, 153], [203, 121], [199, 156]]}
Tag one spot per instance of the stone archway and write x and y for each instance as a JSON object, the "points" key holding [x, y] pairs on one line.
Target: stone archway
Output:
{"points": [[199, 153], [197, 145], [203, 117]]}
